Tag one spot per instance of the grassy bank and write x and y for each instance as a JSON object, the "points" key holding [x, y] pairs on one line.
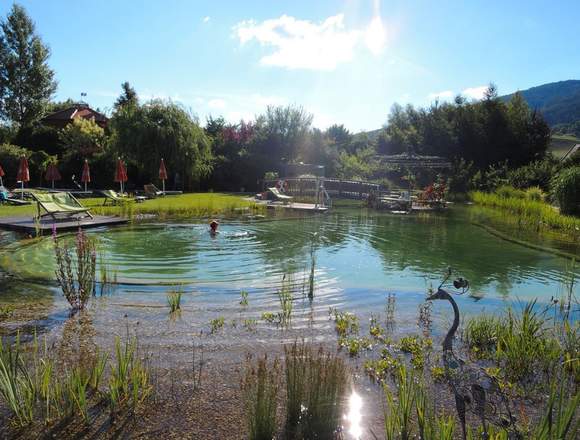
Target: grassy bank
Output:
{"points": [[533, 214], [181, 206]]}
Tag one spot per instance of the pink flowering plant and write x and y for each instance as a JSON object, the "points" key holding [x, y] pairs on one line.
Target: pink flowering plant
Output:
{"points": [[75, 271]]}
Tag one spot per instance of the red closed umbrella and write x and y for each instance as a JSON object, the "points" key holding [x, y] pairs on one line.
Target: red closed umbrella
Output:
{"points": [[2, 174], [23, 174], [163, 173], [121, 174], [86, 177], [52, 173]]}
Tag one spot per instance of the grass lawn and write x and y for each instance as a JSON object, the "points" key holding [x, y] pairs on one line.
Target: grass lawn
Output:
{"points": [[185, 205]]}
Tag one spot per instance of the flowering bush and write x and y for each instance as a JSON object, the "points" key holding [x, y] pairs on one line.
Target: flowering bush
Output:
{"points": [[76, 276]]}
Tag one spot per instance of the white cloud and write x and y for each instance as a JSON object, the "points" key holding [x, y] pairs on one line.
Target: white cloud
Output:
{"points": [[206, 19], [475, 92], [301, 44], [237, 116], [441, 96], [216, 103], [264, 101]]}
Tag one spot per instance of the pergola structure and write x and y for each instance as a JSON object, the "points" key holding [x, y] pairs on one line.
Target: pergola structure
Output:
{"points": [[410, 160]]}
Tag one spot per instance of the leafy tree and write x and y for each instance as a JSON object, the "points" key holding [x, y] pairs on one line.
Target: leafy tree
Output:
{"points": [[26, 81], [83, 138], [127, 97], [143, 134]]}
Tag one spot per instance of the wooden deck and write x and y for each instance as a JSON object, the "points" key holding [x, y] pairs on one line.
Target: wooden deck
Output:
{"points": [[27, 224], [295, 206]]}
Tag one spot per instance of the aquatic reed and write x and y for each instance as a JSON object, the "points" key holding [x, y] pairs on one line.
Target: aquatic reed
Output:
{"points": [[315, 392], [261, 386], [286, 298], [530, 213], [174, 300]]}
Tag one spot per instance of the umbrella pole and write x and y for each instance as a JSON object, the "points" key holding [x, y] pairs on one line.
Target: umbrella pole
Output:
{"points": [[1, 184], [53, 184], [85, 186], [22, 190], [163, 186]]}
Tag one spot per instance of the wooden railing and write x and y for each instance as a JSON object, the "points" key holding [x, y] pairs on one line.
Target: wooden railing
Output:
{"points": [[336, 188]]}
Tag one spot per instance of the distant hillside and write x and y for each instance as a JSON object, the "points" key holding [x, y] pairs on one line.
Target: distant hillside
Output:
{"points": [[559, 101]]}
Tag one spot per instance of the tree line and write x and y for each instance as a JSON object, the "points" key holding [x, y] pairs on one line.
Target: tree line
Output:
{"points": [[222, 155]]}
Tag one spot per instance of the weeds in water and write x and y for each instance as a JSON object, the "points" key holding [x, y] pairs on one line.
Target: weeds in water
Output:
{"points": [[217, 324], [269, 317], [129, 381], [76, 279], [354, 345], [345, 323], [417, 347], [76, 391], [261, 386], [390, 311], [286, 299], [375, 329], [400, 407], [244, 298], [250, 324], [6, 312], [311, 276], [315, 392], [533, 214], [16, 384], [174, 300]]}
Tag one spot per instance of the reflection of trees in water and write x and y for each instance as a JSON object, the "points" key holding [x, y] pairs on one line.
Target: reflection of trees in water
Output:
{"points": [[431, 243], [288, 243]]}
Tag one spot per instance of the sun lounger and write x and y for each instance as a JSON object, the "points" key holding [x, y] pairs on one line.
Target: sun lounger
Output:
{"points": [[59, 204], [151, 191], [279, 196], [115, 198], [6, 198]]}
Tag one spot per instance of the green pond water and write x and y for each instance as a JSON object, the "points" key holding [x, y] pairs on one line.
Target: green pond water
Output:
{"points": [[357, 253]]}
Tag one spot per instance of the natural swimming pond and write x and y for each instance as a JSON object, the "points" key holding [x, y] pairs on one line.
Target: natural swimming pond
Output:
{"points": [[360, 256]]}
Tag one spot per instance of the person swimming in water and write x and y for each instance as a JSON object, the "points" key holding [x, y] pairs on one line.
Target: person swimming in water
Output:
{"points": [[213, 227]]}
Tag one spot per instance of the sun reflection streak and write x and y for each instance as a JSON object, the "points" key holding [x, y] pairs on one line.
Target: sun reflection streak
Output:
{"points": [[354, 415]]}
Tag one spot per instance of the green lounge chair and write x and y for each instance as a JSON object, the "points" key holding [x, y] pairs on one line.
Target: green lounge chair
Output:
{"points": [[59, 203], [279, 196], [116, 198]]}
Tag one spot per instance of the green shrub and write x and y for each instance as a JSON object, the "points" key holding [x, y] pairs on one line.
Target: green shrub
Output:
{"points": [[566, 190], [535, 194], [538, 173], [507, 192]]}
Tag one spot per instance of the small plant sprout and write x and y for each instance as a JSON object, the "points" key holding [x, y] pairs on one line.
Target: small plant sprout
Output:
{"points": [[217, 324], [174, 300], [244, 298]]}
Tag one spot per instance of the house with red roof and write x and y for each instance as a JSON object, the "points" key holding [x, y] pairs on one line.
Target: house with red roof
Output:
{"points": [[64, 117]]}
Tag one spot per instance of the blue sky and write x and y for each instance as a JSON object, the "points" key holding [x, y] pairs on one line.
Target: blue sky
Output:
{"points": [[344, 61]]}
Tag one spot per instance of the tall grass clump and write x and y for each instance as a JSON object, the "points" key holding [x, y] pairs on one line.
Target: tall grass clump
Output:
{"points": [[315, 392], [560, 419], [75, 272], [174, 300], [16, 383], [531, 213], [261, 386], [129, 383]]}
